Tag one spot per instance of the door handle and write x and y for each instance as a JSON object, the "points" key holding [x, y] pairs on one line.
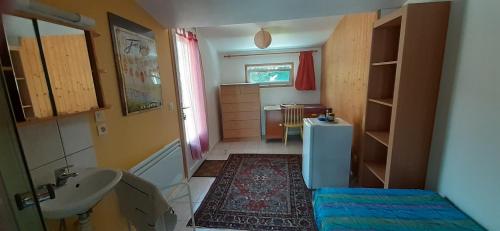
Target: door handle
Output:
{"points": [[43, 193]]}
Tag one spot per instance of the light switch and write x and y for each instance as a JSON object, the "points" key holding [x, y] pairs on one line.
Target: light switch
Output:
{"points": [[102, 129], [99, 116]]}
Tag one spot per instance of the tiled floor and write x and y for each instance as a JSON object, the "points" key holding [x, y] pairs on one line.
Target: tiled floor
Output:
{"points": [[200, 185]]}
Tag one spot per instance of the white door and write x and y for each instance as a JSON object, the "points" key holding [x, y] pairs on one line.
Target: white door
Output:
{"points": [[185, 89]]}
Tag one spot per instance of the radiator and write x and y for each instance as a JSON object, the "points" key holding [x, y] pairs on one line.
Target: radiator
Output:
{"points": [[163, 168]]}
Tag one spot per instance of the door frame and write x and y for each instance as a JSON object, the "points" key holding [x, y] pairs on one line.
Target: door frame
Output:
{"points": [[173, 57], [177, 82]]}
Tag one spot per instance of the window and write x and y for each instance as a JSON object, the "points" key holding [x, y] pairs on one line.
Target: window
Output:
{"points": [[270, 75]]}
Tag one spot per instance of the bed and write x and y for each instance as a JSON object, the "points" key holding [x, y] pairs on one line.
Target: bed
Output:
{"points": [[387, 209]]}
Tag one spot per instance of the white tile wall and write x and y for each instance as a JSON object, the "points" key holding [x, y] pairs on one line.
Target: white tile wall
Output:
{"points": [[82, 159], [55, 144], [75, 133], [41, 143], [45, 174]]}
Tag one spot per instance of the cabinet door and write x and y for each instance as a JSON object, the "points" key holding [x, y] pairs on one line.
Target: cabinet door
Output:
{"points": [[68, 65], [27, 83], [274, 126]]}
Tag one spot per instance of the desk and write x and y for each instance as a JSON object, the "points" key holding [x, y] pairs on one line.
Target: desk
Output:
{"points": [[274, 118]]}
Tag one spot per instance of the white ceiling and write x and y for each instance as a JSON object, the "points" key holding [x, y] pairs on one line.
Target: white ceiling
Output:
{"points": [[204, 13], [286, 34]]}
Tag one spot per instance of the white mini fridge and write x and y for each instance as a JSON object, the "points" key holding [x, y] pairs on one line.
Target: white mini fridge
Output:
{"points": [[326, 156]]}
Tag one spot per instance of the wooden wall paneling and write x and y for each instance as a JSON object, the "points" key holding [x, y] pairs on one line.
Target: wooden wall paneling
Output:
{"points": [[68, 79], [72, 78], [80, 83], [77, 96], [35, 77], [86, 68], [88, 81], [54, 68], [345, 67]]}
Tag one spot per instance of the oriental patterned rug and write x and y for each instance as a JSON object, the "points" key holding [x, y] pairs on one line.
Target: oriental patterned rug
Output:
{"points": [[258, 192]]}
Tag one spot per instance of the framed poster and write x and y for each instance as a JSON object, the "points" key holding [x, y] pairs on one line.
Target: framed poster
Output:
{"points": [[137, 66]]}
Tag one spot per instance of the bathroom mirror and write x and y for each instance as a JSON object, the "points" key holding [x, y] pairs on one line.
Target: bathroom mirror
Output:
{"points": [[68, 66], [27, 69]]}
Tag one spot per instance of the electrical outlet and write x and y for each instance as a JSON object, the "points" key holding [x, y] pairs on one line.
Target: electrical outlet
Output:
{"points": [[102, 129], [99, 116]]}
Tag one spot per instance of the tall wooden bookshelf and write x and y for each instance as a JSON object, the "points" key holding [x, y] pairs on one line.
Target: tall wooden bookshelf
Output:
{"points": [[406, 62]]}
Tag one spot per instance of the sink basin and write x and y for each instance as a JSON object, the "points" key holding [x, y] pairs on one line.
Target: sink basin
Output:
{"points": [[81, 193]]}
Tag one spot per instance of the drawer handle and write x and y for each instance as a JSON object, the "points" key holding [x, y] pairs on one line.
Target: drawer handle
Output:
{"points": [[281, 125]]}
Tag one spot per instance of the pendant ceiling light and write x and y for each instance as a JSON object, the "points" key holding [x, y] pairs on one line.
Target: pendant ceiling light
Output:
{"points": [[262, 39]]}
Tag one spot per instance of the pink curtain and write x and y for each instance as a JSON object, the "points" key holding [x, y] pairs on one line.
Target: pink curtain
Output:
{"points": [[193, 93], [305, 74]]}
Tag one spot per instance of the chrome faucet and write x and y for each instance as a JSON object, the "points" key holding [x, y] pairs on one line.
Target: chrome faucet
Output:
{"points": [[62, 175]]}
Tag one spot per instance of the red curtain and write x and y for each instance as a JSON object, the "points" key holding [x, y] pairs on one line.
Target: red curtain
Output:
{"points": [[305, 74], [193, 93]]}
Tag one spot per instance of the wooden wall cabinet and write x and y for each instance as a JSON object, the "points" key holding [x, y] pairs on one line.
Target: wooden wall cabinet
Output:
{"points": [[50, 69], [240, 110], [405, 71]]}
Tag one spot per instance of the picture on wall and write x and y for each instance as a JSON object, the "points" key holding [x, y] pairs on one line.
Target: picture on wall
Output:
{"points": [[137, 66]]}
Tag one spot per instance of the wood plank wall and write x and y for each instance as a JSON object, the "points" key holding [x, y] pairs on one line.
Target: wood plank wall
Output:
{"points": [[344, 74], [35, 77], [73, 73]]}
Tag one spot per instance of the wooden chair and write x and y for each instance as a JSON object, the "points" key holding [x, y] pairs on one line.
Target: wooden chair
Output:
{"points": [[293, 117]]}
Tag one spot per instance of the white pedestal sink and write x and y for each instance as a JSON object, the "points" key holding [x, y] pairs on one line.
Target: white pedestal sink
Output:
{"points": [[80, 194]]}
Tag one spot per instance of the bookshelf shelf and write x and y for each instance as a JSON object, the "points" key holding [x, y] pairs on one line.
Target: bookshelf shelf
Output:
{"points": [[398, 130]]}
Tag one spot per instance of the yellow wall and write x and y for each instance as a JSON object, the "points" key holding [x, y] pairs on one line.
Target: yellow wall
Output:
{"points": [[132, 138], [344, 75]]}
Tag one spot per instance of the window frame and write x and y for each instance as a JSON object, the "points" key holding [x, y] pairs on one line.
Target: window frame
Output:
{"points": [[266, 85]]}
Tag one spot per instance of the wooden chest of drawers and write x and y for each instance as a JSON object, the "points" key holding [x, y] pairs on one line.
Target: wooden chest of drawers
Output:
{"points": [[240, 110]]}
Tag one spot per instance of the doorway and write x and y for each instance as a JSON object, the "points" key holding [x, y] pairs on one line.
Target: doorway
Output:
{"points": [[192, 98]]}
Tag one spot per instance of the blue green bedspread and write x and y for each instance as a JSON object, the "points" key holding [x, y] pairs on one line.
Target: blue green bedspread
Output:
{"points": [[387, 209]]}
